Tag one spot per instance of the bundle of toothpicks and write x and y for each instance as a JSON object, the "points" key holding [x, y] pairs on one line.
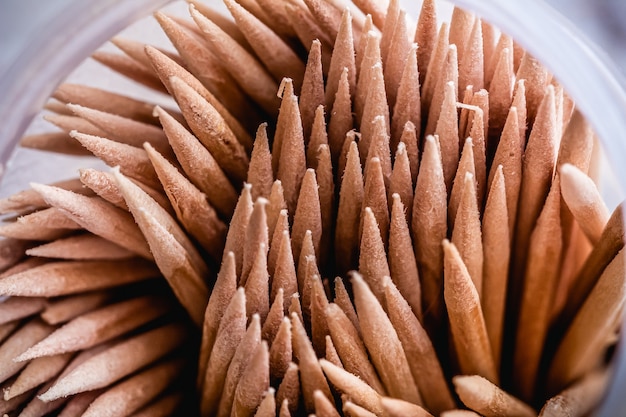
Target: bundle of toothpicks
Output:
{"points": [[346, 213]]}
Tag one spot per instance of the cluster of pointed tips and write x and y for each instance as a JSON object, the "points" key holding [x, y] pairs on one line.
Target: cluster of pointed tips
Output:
{"points": [[360, 215]]}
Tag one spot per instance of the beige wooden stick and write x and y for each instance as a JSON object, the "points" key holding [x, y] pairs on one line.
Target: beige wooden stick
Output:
{"points": [[393, 407], [326, 191], [467, 324], [67, 123], [537, 78], [276, 54], [64, 309], [350, 347], [408, 103], [488, 399], [174, 254], [107, 101], [373, 264], [610, 243], [448, 74], [424, 364], [349, 384], [289, 388], [122, 129], [63, 278], [437, 59], [467, 235], [341, 119], [274, 317], [245, 68], [257, 286], [289, 150], [402, 263], [81, 247], [496, 252], [348, 212], [253, 383], [319, 324], [205, 66], [429, 228], [343, 57], [199, 164], [501, 91], [281, 352], [395, 62], [30, 199], [211, 129], [323, 406], [326, 14], [375, 197], [585, 341], [231, 331], [471, 60], [16, 308], [118, 361], [584, 200], [312, 91], [190, 204], [537, 169], [238, 364], [580, 398], [350, 409], [99, 326], [426, 36], [267, 407], [371, 57], [76, 406], [47, 224], [311, 376], [167, 68], [509, 156], [130, 68], [308, 216], [383, 344], [260, 174], [374, 107], [236, 235], [132, 161], [256, 235], [224, 22], [133, 393], [35, 373]]}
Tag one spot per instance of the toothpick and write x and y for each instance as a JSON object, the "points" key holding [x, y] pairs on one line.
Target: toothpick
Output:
{"points": [[129, 68], [59, 142], [467, 324], [383, 344], [342, 58], [341, 120], [488, 399], [118, 361], [402, 263], [81, 247], [211, 129], [247, 71], [496, 255], [429, 227], [424, 365], [281, 351], [133, 393], [101, 325], [231, 331], [64, 309], [407, 106], [199, 164], [348, 212], [70, 277], [312, 378], [352, 386], [241, 359]]}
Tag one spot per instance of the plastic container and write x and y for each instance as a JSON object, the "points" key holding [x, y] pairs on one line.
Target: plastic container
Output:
{"points": [[63, 33]]}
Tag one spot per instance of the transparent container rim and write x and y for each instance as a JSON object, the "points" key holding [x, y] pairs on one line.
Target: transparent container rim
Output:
{"points": [[75, 31]]}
